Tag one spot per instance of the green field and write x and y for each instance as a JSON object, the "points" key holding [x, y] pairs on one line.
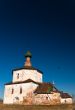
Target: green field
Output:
{"points": [[37, 107]]}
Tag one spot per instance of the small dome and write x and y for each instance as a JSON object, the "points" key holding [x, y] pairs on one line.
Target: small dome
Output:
{"points": [[28, 54]]}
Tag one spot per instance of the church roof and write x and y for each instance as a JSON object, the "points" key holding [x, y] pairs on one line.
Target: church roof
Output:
{"points": [[65, 95], [28, 67], [45, 88], [19, 82]]}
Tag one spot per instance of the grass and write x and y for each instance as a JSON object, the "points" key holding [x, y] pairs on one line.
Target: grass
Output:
{"points": [[37, 107]]}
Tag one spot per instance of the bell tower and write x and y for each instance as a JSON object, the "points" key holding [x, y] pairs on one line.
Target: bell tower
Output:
{"points": [[28, 57]]}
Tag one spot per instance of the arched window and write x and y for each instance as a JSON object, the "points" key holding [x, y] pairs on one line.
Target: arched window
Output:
{"points": [[20, 90], [12, 91], [18, 76]]}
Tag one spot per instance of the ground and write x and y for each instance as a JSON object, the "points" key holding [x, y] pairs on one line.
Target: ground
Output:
{"points": [[37, 107]]}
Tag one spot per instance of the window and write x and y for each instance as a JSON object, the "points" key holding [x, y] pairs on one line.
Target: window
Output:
{"points": [[46, 98], [12, 91], [18, 76], [20, 90], [17, 98]]}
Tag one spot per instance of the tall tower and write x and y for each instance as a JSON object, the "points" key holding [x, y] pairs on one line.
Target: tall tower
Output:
{"points": [[28, 56]]}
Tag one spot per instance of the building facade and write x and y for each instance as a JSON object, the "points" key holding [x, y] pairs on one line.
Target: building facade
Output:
{"points": [[27, 87]]}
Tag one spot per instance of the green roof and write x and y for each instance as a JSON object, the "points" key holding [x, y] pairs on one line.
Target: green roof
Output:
{"points": [[28, 54], [49, 89]]}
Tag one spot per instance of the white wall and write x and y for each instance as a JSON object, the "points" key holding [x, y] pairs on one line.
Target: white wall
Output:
{"points": [[25, 74], [47, 98], [50, 96], [66, 100], [10, 98]]}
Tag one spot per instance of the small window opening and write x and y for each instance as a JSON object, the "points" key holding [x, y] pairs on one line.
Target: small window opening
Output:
{"points": [[18, 76], [20, 90], [65, 100], [46, 98], [12, 91]]}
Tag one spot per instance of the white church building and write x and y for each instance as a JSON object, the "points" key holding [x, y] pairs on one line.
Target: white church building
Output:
{"points": [[27, 87]]}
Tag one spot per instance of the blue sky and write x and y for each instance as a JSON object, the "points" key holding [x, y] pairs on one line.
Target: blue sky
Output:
{"points": [[45, 28]]}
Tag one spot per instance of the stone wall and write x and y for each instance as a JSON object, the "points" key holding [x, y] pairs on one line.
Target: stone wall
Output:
{"points": [[17, 96], [66, 100], [22, 75], [41, 99], [47, 98]]}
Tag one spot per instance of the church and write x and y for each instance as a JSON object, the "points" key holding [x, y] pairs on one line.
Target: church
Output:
{"points": [[27, 87]]}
